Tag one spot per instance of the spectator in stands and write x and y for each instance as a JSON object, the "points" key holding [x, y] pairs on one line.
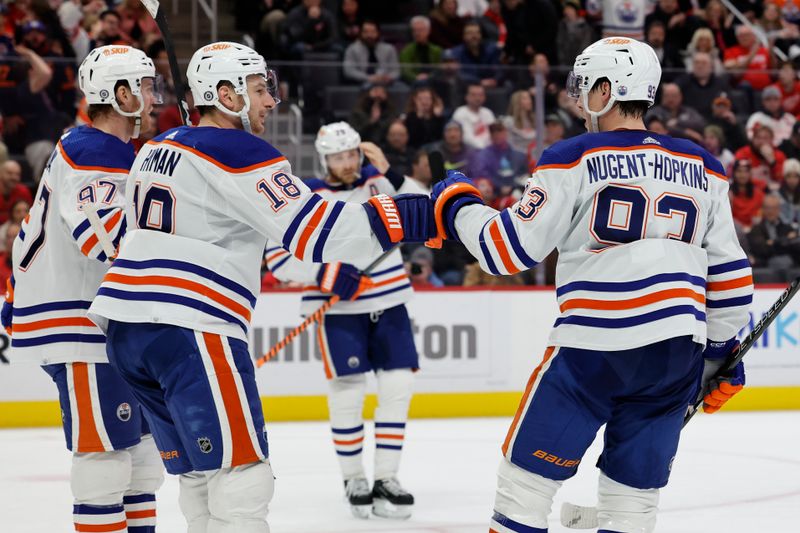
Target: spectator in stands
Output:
{"points": [[309, 28], [5, 257], [396, 148], [679, 25], [722, 115], [478, 59], [372, 114], [520, 121], [526, 79], [774, 26], [554, 129], [446, 25], [703, 41], [456, 153], [570, 114], [789, 86], [574, 33], [500, 162], [62, 89], [424, 117], [493, 27], [720, 22], [714, 142], [748, 56], [109, 31], [767, 161], [421, 169], [746, 193], [790, 192], [370, 60], [701, 86], [446, 81], [419, 52], [791, 146], [518, 49], [680, 120], [19, 210], [656, 125], [11, 190], [137, 23], [668, 55], [266, 20], [474, 118], [420, 269], [773, 115], [350, 21], [620, 18], [472, 8], [773, 243], [70, 16]]}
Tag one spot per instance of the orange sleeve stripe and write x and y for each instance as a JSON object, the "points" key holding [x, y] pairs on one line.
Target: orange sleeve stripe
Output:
{"points": [[309, 229], [169, 281], [497, 239], [144, 513], [276, 254], [321, 342], [388, 436], [88, 437], [383, 283], [347, 442], [92, 241], [216, 163], [242, 447], [524, 401], [736, 283], [71, 163], [717, 175], [102, 528], [632, 303], [53, 323]]}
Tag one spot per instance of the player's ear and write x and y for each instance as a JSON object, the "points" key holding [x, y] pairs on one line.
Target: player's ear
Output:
{"points": [[124, 96]]}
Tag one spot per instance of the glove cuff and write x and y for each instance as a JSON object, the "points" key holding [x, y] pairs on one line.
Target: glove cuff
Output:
{"points": [[451, 195], [326, 277], [719, 350], [384, 219]]}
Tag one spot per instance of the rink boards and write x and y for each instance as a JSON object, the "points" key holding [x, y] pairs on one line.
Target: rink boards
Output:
{"points": [[477, 349]]}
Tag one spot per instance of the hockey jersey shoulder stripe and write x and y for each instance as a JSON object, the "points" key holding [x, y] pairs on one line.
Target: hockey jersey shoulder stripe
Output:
{"points": [[631, 321], [730, 302], [326, 230], [76, 166], [497, 240], [220, 164], [736, 283], [485, 250], [516, 245], [728, 267], [311, 225], [291, 231]]}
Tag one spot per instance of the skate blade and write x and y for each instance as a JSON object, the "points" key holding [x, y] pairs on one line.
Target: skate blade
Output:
{"points": [[386, 509], [361, 511]]}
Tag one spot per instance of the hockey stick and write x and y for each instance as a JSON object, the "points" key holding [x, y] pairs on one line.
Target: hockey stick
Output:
{"points": [[316, 315], [97, 226], [154, 7], [579, 517]]}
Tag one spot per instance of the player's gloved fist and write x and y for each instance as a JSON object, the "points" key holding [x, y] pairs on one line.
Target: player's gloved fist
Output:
{"points": [[6, 314], [403, 218], [450, 195], [343, 280], [718, 389]]}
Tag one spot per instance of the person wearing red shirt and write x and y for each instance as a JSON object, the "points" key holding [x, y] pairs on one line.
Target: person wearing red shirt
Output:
{"points": [[746, 193], [5, 257], [789, 86], [766, 160], [11, 190], [749, 56]]}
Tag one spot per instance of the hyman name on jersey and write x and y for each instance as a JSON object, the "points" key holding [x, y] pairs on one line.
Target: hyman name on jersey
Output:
{"points": [[161, 161], [617, 166]]}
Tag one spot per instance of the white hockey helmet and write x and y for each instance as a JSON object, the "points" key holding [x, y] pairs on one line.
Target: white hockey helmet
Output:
{"points": [[105, 66], [334, 138], [228, 62], [631, 67]]}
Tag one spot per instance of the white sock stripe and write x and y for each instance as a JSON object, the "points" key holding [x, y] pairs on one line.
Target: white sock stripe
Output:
{"points": [[97, 411], [99, 519], [211, 375], [141, 522], [248, 415], [144, 506], [73, 407]]}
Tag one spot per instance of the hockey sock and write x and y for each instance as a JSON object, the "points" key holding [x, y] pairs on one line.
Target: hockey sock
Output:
{"points": [[147, 475], [346, 405], [140, 512], [523, 500], [98, 481], [394, 396], [106, 518], [624, 508]]}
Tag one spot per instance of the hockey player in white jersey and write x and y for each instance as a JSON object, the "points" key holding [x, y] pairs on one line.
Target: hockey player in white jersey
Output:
{"points": [[651, 283], [60, 257], [367, 330], [177, 302]]}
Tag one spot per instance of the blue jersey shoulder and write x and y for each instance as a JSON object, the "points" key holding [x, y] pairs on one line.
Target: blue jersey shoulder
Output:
{"points": [[88, 147], [368, 171], [232, 148], [688, 147], [565, 152], [316, 184]]}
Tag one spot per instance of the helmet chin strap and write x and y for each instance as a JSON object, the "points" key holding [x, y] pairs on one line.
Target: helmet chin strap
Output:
{"points": [[136, 115], [242, 115], [594, 116]]}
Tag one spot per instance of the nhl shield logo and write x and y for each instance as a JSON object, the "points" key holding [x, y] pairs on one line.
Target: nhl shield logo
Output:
{"points": [[124, 412], [205, 444]]}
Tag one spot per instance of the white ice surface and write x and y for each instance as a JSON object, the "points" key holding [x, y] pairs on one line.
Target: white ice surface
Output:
{"points": [[734, 472]]}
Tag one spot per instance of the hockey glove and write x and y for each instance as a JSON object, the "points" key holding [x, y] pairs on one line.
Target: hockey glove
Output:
{"points": [[716, 391], [450, 195], [403, 218], [342, 279], [6, 314]]}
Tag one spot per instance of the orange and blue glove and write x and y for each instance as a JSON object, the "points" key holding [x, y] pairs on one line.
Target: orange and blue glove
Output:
{"points": [[402, 218], [6, 314], [343, 280], [717, 390], [450, 195]]}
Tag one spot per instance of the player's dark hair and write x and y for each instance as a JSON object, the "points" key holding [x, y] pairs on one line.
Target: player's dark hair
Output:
{"points": [[632, 108], [96, 110], [748, 188]]}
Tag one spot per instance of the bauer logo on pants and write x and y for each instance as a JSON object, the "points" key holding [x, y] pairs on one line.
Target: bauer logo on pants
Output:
{"points": [[205, 444]]}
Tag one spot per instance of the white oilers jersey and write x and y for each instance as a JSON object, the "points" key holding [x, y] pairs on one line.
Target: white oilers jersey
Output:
{"points": [[622, 18], [391, 285], [58, 258], [647, 247], [201, 204]]}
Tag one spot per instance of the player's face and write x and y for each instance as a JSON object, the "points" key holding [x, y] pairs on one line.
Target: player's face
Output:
{"points": [[344, 167], [261, 102], [151, 98], [597, 101]]}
